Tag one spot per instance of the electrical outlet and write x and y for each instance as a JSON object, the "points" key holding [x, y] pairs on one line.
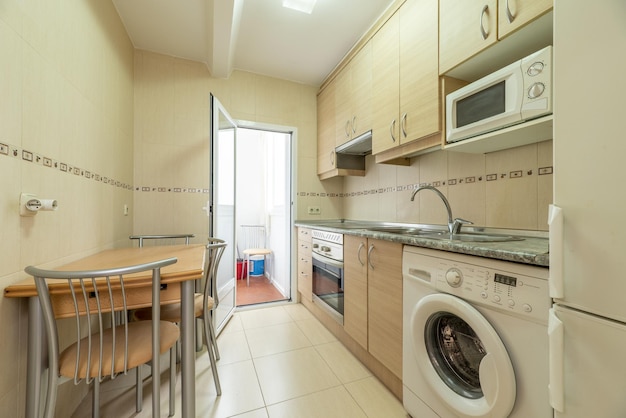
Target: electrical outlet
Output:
{"points": [[314, 210]]}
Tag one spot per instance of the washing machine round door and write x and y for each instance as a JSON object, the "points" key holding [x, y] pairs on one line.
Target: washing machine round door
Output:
{"points": [[462, 358]]}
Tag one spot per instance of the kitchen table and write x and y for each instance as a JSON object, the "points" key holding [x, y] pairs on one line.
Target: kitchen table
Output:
{"points": [[179, 279]]}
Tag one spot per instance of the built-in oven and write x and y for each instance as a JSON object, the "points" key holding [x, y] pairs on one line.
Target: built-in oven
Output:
{"points": [[327, 251]]}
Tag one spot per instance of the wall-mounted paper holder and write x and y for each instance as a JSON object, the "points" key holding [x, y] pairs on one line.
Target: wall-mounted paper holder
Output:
{"points": [[31, 204]]}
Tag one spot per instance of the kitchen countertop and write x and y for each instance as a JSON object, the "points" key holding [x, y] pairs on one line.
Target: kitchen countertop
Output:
{"points": [[532, 249]]}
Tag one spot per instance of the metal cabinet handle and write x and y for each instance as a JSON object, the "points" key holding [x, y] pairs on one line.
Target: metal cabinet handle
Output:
{"points": [[403, 125], [369, 256], [509, 15], [346, 129], [392, 127], [358, 253], [332, 158], [354, 124], [485, 10]]}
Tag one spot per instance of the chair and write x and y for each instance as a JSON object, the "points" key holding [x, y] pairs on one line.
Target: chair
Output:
{"points": [[102, 348], [203, 305], [163, 239], [252, 240]]}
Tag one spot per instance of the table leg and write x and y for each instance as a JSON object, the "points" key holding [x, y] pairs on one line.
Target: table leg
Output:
{"points": [[156, 346], [188, 360], [37, 357]]}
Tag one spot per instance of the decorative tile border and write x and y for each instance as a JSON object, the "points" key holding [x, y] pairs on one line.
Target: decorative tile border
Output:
{"points": [[515, 174], [12, 151]]}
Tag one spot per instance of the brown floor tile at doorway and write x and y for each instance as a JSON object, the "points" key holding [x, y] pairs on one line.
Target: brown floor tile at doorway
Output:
{"points": [[259, 291]]}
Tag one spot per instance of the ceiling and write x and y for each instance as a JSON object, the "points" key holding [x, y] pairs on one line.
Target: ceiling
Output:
{"points": [[258, 36]]}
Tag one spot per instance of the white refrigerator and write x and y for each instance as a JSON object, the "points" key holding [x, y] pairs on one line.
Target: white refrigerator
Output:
{"points": [[587, 239]]}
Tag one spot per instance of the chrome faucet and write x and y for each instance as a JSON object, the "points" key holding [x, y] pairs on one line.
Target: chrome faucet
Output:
{"points": [[454, 225]]}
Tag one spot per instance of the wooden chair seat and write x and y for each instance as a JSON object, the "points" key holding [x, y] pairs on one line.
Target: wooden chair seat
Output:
{"points": [[139, 350], [171, 312]]}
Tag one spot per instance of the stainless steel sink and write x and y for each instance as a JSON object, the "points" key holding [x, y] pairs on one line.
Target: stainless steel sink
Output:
{"points": [[471, 237], [402, 230], [428, 231], [444, 235]]}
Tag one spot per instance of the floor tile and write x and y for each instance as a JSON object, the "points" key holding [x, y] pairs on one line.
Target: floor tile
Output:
{"points": [[292, 374], [298, 312], [233, 347], [275, 362], [264, 317], [240, 391], [329, 403], [257, 413], [276, 339], [260, 290], [233, 325], [342, 362], [315, 331], [374, 398]]}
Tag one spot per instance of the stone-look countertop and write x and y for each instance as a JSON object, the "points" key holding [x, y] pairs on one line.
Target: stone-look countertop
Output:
{"points": [[530, 250]]}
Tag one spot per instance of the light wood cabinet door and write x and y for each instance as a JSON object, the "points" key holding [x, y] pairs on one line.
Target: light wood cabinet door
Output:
{"points": [[326, 129], [465, 28], [513, 14], [343, 106], [384, 283], [355, 288], [386, 86], [419, 70], [361, 98]]}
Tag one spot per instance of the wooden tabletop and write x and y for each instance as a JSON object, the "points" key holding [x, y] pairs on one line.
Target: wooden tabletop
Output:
{"points": [[189, 266]]}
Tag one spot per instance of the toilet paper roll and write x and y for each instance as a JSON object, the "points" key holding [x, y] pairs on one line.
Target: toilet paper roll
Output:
{"points": [[49, 204]]}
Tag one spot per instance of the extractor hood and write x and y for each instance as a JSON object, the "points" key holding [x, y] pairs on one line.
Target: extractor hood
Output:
{"points": [[361, 145]]}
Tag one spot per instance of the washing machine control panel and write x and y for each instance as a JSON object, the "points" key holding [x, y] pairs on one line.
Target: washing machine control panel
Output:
{"points": [[518, 289]]}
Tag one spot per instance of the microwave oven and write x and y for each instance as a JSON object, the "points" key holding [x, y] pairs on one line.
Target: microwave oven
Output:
{"points": [[514, 94]]}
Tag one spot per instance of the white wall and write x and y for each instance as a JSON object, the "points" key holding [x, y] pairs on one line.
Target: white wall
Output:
{"points": [[66, 96]]}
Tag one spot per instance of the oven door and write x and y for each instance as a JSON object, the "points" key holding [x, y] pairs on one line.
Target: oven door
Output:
{"points": [[328, 285]]}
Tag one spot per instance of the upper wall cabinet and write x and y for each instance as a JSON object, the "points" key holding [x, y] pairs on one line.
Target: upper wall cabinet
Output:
{"points": [[353, 97], [326, 130], [329, 163], [513, 14], [471, 26], [406, 80], [465, 28]]}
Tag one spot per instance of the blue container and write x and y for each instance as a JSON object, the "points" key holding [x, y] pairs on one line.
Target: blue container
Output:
{"points": [[257, 267]]}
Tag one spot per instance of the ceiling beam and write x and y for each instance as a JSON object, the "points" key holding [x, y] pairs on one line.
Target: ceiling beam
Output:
{"points": [[223, 19]]}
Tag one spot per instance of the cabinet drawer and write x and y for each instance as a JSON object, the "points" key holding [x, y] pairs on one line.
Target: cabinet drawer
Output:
{"points": [[304, 234]]}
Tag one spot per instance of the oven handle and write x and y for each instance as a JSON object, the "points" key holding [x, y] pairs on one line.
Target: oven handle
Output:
{"points": [[326, 260]]}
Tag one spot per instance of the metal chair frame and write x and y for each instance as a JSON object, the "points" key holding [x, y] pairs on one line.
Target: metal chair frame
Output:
{"points": [[214, 251], [92, 300]]}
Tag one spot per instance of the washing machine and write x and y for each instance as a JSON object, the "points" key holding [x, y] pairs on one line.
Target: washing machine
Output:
{"points": [[475, 336]]}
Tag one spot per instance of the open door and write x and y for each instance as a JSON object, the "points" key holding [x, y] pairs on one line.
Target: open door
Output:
{"points": [[221, 207]]}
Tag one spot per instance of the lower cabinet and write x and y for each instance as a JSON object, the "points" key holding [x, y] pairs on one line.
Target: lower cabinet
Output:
{"points": [[305, 267], [373, 298], [355, 288]]}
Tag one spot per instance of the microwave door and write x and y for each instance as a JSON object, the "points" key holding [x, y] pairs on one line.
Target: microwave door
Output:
{"points": [[491, 103]]}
